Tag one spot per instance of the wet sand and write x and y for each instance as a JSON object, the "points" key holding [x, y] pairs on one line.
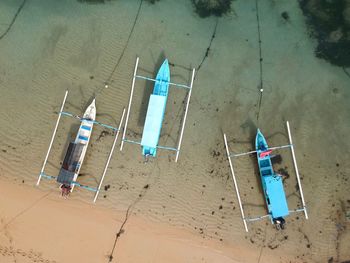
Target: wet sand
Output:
{"points": [[68, 45]]}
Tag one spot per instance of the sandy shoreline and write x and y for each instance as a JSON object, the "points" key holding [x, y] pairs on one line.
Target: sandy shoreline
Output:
{"points": [[40, 226]]}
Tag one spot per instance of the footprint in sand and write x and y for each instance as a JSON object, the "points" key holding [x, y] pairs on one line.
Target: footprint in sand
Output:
{"points": [[32, 255]]}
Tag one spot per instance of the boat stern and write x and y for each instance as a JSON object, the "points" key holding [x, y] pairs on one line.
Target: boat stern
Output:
{"points": [[149, 151], [275, 196]]}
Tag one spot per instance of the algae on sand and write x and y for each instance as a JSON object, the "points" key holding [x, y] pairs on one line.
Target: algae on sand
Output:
{"points": [[205, 8], [93, 1], [329, 22]]}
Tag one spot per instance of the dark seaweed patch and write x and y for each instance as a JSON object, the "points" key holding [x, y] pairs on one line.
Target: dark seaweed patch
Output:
{"points": [[273, 246], [152, 1], [205, 8], [94, 1], [103, 134], [276, 159], [285, 15], [328, 23], [283, 172], [336, 53]]}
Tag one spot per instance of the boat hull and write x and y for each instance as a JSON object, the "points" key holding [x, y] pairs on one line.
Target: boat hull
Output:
{"points": [[156, 111], [76, 151], [271, 182]]}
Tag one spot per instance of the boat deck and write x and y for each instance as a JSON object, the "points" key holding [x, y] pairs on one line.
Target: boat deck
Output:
{"points": [[276, 198], [153, 123]]}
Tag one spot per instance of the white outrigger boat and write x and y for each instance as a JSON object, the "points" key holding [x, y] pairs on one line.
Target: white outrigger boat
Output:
{"points": [[76, 151]]}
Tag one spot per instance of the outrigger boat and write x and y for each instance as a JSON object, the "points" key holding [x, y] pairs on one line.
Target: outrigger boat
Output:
{"points": [[155, 111], [76, 151], [272, 183]]}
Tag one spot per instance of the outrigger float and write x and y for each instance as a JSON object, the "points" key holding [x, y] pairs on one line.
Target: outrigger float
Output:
{"points": [[155, 111], [76, 151], [272, 184]]}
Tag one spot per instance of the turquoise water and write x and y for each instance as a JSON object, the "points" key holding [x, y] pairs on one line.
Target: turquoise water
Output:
{"points": [[54, 46]]}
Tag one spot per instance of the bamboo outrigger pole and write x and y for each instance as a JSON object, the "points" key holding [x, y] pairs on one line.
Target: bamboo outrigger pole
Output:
{"points": [[297, 172], [170, 83], [251, 152], [52, 139], [130, 100], [236, 186], [185, 116], [110, 156]]}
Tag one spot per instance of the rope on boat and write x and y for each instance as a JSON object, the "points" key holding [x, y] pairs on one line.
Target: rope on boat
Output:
{"points": [[84, 119], [162, 81], [73, 182]]}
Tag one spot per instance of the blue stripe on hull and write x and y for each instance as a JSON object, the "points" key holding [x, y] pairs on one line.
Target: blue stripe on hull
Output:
{"points": [[84, 138], [84, 127]]}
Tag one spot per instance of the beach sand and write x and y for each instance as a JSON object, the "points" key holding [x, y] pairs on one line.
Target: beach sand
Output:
{"points": [[42, 227], [54, 46]]}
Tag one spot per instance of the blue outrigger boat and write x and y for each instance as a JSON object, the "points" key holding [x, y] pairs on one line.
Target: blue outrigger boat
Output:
{"points": [[272, 183], [155, 111]]}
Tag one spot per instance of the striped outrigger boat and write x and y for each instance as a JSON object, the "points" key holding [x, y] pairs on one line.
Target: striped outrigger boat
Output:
{"points": [[76, 151]]}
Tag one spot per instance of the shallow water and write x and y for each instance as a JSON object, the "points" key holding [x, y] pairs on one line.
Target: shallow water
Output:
{"points": [[54, 46]]}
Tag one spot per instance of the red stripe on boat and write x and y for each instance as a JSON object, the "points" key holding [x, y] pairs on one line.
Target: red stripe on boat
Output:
{"points": [[264, 154]]}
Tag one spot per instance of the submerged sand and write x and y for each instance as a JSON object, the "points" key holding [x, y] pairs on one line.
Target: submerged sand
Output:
{"points": [[54, 46]]}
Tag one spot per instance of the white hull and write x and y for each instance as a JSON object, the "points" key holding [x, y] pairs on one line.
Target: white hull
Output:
{"points": [[84, 133]]}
